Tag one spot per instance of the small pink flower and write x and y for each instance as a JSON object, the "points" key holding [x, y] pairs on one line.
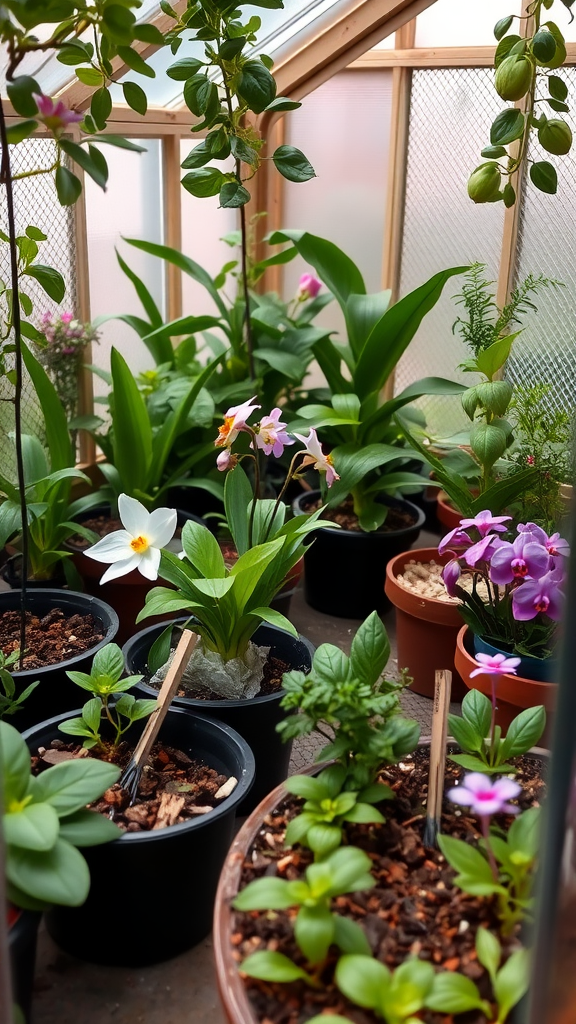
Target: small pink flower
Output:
{"points": [[226, 460], [308, 287], [485, 522], [271, 434], [494, 665], [69, 351], [485, 796], [54, 113], [530, 460], [234, 422], [314, 456], [67, 318]]}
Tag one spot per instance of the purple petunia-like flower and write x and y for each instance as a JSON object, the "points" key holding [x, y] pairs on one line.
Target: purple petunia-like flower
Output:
{"points": [[525, 558], [485, 522], [484, 795], [544, 596], [494, 665]]}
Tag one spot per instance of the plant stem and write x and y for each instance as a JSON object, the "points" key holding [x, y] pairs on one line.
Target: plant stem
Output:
{"points": [[493, 681], [485, 822], [6, 179], [282, 493]]}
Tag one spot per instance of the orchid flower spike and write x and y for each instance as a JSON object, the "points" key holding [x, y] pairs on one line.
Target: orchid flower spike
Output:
{"points": [[314, 456], [495, 665], [139, 544], [234, 422], [484, 795], [271, 434]]}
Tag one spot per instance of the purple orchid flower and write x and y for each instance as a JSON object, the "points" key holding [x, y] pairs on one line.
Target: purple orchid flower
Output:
{"points": [[543, 596], [555, 544], [486, 522], [482, 550], [524, 558], [450, 575], [484, 795], [494, 665], [456, 537]]}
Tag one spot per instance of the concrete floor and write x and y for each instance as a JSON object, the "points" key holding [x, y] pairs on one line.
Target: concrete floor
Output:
{"points": [[183, 990]]}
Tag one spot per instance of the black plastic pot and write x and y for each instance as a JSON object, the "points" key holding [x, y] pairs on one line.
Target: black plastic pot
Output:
{"points": [[345, 570], [254, 718], [22, 936], [11, 574], [152, 893], [56, 693]]}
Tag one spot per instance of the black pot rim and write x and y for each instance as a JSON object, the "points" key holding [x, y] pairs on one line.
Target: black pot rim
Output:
{"points": [[194, 702], [203, 821], [88, 603], [298, 509]]}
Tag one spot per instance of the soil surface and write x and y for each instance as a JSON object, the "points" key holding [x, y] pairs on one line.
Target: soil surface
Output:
{"points": [[173, 787], [53, 638], [345, 516], [413, 909], [274, 669], [101, 525]]}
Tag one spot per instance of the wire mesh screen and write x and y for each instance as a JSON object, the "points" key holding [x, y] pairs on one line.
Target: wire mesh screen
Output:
{"points": [[546, 349], [35, 204], [450, 115]]}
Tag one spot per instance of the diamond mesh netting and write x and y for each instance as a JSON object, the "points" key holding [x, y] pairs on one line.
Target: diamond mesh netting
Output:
{"points": [[450, 115], [35, 204], [546, 349]]}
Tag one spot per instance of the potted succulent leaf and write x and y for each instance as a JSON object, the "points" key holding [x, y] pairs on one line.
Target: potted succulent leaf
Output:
{"points": [[44, 822], [180, 816], [345, 571], [322, 924]]}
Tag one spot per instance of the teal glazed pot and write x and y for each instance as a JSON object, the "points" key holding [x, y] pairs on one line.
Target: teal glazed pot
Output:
{"points": [[543, 670]]}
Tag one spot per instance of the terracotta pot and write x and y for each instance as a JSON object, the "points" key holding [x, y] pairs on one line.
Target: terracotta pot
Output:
{"points": [[426, 628], [514, 693], [448, 515]]}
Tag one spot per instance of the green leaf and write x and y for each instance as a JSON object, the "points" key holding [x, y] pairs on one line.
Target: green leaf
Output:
{"points": [[333, 266], [35, 827], [204, 182], [15, 760], [57, 436], [265, 894], [370, 650], [363, 980], [543, 175], [108, 661], [488, 442], [233, 195], [184, 69], [72, 785], [491, 359], [149, 34], [465, 734], [275, 618], [135, 61], [256, 86], [119, 20], [489, 951], [50, 280], [101, 107], [524, 731], [477, 710], [544, 46], [283, 103], [314, 932], [350, 937], [132, 440], [135, 97], [150, 307], [465, 859], [89, 76], [231, 47], [20, 95], [493, 152], [59, 875], [330, 664], [512, 982], [501, 27], [523, 834], [454, 993], [363, 814], [507, 127], [272, 967], [557, 88], [119, 142], [203, 550], [16, 133], [292, 164], [98, 173], [68, 186]]}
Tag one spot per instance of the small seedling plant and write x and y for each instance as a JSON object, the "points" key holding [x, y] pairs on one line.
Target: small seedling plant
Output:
{"points": [[487, 751], [104, 682], [10, 704], [316, 927], [44, 821]]}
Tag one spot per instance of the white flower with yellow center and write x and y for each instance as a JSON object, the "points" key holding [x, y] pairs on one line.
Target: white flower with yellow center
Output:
{"points": [[139, 544]]}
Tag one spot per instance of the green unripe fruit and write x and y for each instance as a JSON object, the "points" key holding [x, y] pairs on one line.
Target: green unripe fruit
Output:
{"points": [[514, 77], [555, 137], [484, 183]]}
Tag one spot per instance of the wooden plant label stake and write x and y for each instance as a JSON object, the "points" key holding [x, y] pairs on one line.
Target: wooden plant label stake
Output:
{"points": [[442, 689], [182, 656]]}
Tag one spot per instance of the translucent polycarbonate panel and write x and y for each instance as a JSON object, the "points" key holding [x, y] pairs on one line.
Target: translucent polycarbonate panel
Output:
{"points": [[130, 208], [451, 111], [204, 224], [344, 130], [461, 22], [546, 349]]}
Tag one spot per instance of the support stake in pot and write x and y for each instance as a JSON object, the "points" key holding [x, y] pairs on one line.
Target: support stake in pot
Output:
{"points": [[442, 688]]}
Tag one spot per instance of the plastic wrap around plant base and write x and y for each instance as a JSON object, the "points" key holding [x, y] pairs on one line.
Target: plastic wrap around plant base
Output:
{"points": [[237, 679]]}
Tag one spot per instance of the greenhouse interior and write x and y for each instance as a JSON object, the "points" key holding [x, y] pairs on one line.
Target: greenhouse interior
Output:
{"points": [[287, 397]]}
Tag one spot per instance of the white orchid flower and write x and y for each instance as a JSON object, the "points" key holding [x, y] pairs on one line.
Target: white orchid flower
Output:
{"points": [[315, 456], [139, 544]]}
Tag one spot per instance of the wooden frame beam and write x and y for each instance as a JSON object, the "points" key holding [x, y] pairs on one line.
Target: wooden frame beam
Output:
{"points": [[172, 194]]}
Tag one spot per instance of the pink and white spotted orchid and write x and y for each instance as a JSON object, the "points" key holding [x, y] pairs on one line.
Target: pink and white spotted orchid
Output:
{"points": [[139, 544], [271, 434], [234, 421], [314, 456], [54, 113]]}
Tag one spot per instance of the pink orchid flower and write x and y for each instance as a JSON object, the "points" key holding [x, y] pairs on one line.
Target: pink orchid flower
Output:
{"points": [[54, 113], [543, 596], [485, 522], [308, 287], [234, 421], [482, 550], [450, 575], [271, 434], [524, 558], [457, 537], [494, 665], [315, 456], [486, 796]]}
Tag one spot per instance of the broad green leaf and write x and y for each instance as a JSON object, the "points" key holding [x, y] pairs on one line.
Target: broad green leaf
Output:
{"points": [[524, 831], [314, 932], [477, 710], [275, 618], [72, 785], [466, 736], [512, 982], [108, 661], [133, 59], [59, 875], [370, 650], [465, 858], [346, 870], [203, 182], [454, 993], [265, 894], [216, 588], [507, 127], [203, 550], [524, 731], [330, 664], [292, 164], [362, 313], [20, 92], [363, 980], [350, 937], [272, 967], [306, 786], [88, 828], [18, 132], [333, 266], [237, 498], [256, 86], [68, 186], [135, 97], [491, 359], [50, 280], [35, 827]]}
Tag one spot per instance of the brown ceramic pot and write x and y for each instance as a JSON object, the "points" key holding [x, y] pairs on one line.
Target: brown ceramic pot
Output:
{"points": [[426, 628], [513, 693], [446, 513]]}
